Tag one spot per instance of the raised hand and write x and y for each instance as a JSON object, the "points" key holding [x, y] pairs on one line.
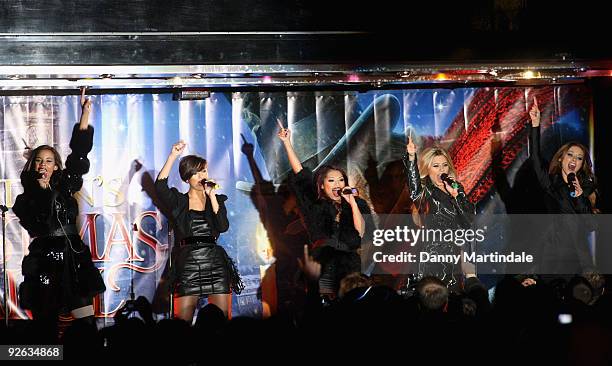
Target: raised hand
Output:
{"points": [[534, 113], [177, 148], [246, 148], [83, 99], [85, 109], [85, 102], [411, 148], [284, 134], [310, 267]]}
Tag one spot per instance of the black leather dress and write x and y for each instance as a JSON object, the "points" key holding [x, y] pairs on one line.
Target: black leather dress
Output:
{"points": [[200, 266], [203, 267]]}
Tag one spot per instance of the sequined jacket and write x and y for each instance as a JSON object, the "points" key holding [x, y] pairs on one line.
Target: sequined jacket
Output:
{"points": [[441, 210]]}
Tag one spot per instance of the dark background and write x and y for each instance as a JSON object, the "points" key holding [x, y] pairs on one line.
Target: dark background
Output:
{"points": [[386, 31]]}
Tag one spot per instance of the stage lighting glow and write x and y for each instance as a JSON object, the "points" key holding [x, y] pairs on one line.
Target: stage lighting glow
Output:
{"points": [[528, 74], [191, 95]]}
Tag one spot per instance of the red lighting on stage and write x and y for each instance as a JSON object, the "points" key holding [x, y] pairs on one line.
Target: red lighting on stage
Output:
{"points": [[353, 78]]}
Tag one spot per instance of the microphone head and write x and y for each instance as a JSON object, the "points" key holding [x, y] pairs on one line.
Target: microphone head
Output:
{"points": [[571, 177], [444, 176], [348, 190], [210, 183]]}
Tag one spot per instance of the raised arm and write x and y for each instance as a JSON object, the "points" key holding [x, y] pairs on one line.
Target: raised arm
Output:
{"points": [[85, 110], [248, 149], [81, 144], [534, 142], [285, 135], [175, 152], [413, 179], [169, 195]]}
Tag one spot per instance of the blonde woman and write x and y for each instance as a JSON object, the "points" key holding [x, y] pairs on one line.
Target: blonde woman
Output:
{"points": [[441, 203]]}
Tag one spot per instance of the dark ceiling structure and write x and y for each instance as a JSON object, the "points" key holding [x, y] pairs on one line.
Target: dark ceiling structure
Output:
{"points": [[298, 44]]}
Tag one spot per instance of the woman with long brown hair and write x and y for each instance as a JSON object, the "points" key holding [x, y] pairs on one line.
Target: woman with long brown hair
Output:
{"points": [[569, 184], [59, 275], [333, 216]]}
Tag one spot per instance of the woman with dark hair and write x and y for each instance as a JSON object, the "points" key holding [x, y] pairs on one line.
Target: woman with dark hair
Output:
{"points": [[333, 216], [440, 203], [200, 266], [569, 184], [59, 275]]}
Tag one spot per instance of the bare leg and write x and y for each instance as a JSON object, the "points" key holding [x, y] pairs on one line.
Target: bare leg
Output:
{"points": [[82, 312], [224, 302], [184, 307]]}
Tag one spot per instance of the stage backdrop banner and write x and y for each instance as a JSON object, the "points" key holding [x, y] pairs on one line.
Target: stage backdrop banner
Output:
{"points": [[364, 133]]}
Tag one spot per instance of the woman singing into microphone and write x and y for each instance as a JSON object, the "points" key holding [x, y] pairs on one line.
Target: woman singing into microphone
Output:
{"points": [[442, 202], [59, 275], [569, 184], [201, 267], [333, 216]]}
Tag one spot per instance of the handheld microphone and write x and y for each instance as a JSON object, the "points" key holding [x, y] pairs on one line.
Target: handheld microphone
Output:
{"points": [[345, 190], [209, 183], [571, 177], [451, 182], [348, 190]]}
